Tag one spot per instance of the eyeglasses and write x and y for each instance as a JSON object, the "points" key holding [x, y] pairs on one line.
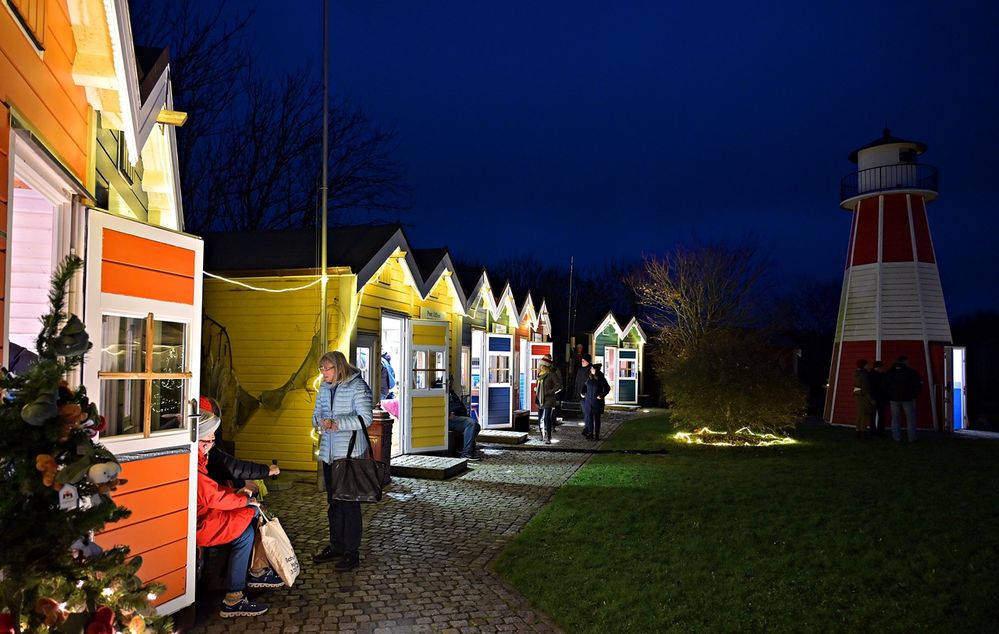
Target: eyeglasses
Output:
{"points": [[325, 368], [207, 442]]}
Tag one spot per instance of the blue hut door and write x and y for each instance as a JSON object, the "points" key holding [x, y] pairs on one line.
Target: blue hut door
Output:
{"points": [[626, 382], [497, 394], [955, 401]]}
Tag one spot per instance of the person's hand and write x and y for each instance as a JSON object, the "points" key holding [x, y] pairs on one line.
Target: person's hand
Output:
{"points": [[328, 424], [250, 488], [253, 502], [274, 470]]}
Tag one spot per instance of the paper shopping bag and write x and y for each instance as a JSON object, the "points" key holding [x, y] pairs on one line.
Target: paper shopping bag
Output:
{"points": [[280, 553]]}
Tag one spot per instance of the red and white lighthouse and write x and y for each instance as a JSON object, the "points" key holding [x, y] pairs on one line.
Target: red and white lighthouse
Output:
{"points": [[892, 303]]}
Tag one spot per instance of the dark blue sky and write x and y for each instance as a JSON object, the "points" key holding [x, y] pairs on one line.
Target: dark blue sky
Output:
{"points": [[606, 130]]}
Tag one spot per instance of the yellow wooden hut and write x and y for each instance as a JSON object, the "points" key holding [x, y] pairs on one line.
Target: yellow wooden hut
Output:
{"points": [[391, 316]]}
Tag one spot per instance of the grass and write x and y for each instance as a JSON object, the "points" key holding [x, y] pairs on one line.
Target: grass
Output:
{"points": [[832, 533]]}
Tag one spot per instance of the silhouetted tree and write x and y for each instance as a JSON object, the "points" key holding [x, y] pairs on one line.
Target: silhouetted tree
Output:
{"points": [[251, 150]]}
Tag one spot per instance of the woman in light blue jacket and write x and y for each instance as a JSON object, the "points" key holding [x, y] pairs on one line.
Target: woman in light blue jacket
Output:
{"points": [[343, 406]]}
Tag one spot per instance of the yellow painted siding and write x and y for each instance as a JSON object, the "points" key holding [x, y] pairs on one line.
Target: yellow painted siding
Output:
{"points": [[429, 426], [429, 335], [271, 334]]}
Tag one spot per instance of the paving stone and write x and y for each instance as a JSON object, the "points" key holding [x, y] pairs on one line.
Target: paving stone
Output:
{"points": [[426, 550]]}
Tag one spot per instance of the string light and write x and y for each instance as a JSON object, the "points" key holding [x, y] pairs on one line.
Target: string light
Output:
{"points": [[705, 436], [266, 290], [107, 592], [151, 596], [79, 584]]}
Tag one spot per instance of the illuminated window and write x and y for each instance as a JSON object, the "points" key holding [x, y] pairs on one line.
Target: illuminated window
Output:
{"points": [[429, 370], [30, 16], [499, 368], [143, 375]]}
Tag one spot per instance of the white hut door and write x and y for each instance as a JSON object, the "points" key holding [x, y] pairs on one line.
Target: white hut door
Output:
{"points": [[610, 372], [428, 347], [627, 376], [497, 392]]}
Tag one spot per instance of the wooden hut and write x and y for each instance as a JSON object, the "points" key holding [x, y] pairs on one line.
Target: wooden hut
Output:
{"points": [[621, 350], [381, 307]]}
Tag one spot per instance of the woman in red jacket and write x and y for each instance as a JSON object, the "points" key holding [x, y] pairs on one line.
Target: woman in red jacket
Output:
{"points": [[226, 517]]}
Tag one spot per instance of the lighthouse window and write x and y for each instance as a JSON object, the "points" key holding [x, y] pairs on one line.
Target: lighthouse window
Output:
{"points": [[907, 155]]}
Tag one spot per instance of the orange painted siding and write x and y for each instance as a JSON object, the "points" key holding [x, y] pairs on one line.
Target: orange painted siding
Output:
{"points": [[157, 493], [41, 89], [4, 193], [140, 267]]}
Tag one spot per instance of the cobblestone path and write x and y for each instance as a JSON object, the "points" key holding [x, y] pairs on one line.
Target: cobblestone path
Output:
{"points": [[425, 553]]}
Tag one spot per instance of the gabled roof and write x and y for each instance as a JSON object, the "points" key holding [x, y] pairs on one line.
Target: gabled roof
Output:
{"points": [[886, 138], [611, 320], [434, 263], [130, 87], [294, 249], [475, 282], [505, 300], [362, 249]]}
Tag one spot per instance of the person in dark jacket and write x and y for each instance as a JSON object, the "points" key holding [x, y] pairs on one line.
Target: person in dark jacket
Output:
{"points": [[582, 375], [863, 394], [593, 391], [229, 470], [549, 386], [902, 384], [459, 420], [880, 397]]}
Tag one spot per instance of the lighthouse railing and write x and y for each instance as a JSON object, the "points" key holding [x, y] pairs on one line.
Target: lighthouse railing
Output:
{"points": [[916, 176]]}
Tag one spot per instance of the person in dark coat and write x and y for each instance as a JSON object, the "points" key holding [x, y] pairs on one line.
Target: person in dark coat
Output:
{"points": [[863, 393], [581, 377], [549, 386], [229, 470], [227, 517], [593, 391], [903, 384]]}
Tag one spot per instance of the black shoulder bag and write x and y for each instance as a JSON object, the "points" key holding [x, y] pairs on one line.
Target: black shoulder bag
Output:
{"points": [[358, 479]]}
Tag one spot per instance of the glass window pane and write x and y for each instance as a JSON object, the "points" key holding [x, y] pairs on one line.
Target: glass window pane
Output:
{"points": [[169, 396], [124, 344], [363, 357], [168, 346], [123, 406]]}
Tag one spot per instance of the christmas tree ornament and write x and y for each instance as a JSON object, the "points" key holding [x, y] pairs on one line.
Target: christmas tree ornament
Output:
{"points": [[48, 466], [103, 622], [41, 410], [50, 609], [6, 623], [137, 625], [69, 497]]}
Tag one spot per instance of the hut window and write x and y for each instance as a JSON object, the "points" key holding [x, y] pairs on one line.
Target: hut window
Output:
{"points": [[428, 370], [144, 379], [499, 368]]}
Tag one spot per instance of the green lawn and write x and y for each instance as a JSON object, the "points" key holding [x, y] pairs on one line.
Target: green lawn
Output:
{"points": [[832, 533]]}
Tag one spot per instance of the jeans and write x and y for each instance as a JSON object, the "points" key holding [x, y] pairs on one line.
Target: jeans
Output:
{"points": [[467, 425], [239, 556], [546, 422], [344, 519], [909, 407], [591, 420]]}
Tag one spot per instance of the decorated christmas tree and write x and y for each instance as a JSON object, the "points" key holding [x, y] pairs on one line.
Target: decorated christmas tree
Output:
{"points": [[55, 493]]}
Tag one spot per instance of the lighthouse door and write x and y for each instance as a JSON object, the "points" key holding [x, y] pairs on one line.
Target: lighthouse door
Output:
{"points": [[955, 400]]}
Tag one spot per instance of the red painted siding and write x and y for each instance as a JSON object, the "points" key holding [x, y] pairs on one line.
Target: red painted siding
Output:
{"points": [[924, 244], [897, 241], [865, 250], [845, 411]]}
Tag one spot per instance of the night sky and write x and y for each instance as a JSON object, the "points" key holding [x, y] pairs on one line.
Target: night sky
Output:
{"points": [[608, 130]]}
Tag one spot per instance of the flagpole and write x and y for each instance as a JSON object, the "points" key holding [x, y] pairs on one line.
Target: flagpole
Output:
{"points": [[323, 325], [568, 324]]}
